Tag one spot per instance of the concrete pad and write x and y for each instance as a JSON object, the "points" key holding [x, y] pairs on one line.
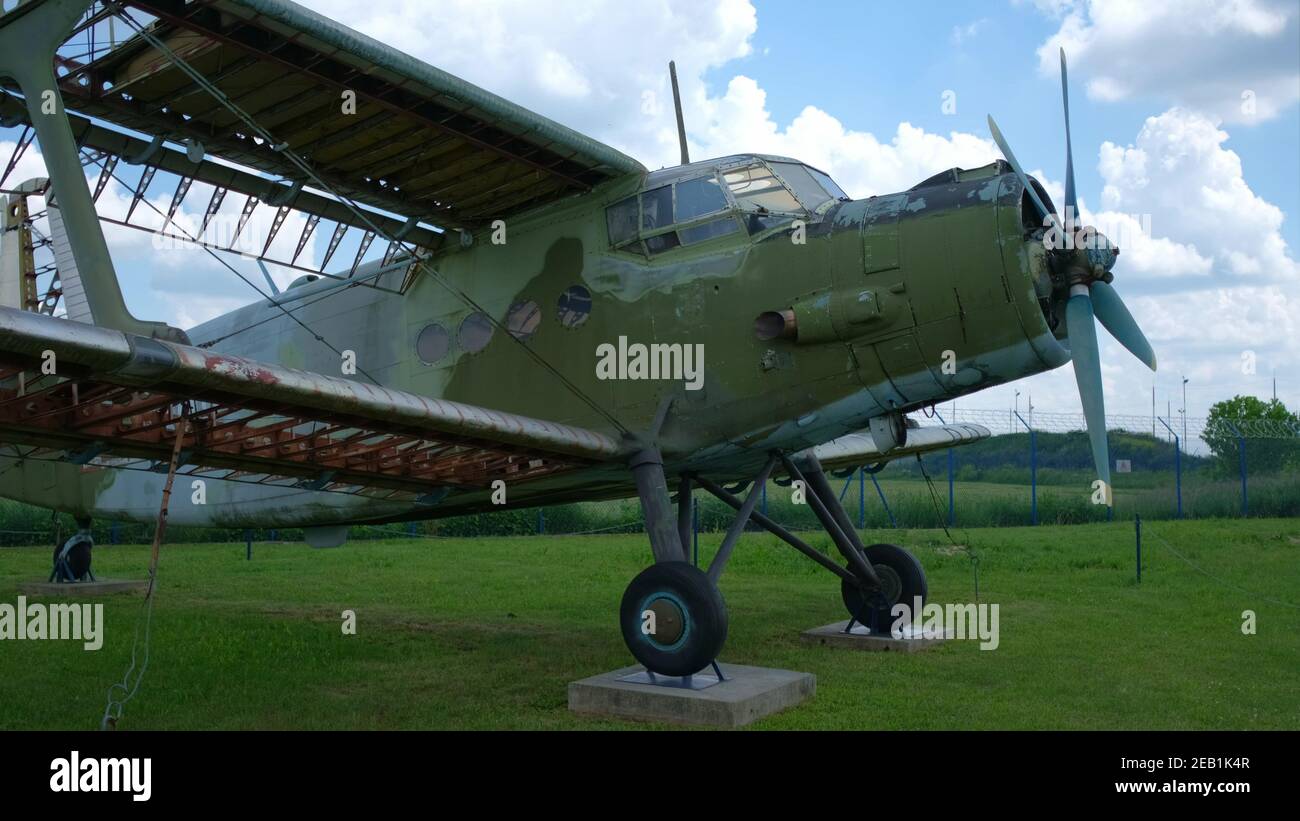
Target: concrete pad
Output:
{"points": [[100, 587], [861, 638], [747, 694]]}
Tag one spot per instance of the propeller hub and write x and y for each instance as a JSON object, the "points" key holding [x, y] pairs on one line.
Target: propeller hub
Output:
{"points": [[1087, 255]]}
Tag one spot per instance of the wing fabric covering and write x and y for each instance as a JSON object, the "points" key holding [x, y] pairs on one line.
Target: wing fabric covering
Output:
{"points": [[122, 395]]}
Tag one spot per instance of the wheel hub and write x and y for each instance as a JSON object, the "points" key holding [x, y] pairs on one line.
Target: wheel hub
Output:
{"points": [[891, 586], [669, 621]]}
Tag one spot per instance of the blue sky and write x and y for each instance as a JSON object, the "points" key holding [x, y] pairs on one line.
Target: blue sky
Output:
{"points": [[890, 61], [1160, 125]]}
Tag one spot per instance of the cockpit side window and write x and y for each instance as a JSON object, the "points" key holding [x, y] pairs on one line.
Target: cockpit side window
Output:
{"points": [[670, 216], [698, 197], [621, 217], [657, 208]]}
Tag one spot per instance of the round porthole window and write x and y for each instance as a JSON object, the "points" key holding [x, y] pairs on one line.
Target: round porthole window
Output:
{"points": [[475, 332], [523, 319], [574, 306], [432, 344]]}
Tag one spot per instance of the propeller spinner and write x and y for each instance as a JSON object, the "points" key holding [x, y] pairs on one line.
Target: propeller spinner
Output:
{"points": [[1087, 256]]}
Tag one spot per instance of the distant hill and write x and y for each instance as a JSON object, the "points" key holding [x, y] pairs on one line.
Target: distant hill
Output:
{"points": [[1056, 451]]}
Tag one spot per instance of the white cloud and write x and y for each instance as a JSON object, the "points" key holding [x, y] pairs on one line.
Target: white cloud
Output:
{"points": [[587, 65], [1178, 174], [860, 162], [1235, 60]]}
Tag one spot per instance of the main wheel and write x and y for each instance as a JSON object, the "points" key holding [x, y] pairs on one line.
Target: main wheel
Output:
{"points": [[902, 580], [673, 619], [78, 556]]}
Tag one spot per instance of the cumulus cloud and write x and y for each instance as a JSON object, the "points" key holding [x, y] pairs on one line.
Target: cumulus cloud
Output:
{"points": [[1178, 172], [1234, 60]]}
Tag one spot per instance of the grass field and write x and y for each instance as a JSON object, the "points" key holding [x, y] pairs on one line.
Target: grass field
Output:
{"points": [[487, 633]]}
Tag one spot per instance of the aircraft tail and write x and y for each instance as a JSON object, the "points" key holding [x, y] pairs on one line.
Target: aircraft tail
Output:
{"points": [[74, 294]]}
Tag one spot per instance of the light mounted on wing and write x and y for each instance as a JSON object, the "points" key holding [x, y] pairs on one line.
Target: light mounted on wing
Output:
{"points": [[1086, 257]]}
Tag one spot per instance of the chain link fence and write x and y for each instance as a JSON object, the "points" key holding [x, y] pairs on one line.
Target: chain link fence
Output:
{"points": [[1029, 472]]}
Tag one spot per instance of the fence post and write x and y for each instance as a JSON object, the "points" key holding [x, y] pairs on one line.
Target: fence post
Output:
{"points": [[1033, 470], [1137, 523], [952, 511], [862, 496], [1178, 474], [1033, 476], [881, 493], [1178, 467], [763, 506], [541, 521], [248, 539], [1241, 445]]}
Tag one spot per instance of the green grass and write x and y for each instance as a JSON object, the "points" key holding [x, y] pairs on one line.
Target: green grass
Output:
{"points": [[487, 633]]}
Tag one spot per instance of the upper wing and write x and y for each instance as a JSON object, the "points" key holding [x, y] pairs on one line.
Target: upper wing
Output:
{"points": [[120, 395], [421, 143], [857, 449]]}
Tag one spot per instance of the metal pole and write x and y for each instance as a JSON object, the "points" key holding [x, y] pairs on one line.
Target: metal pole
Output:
{"points": [[776, 530], [862, 497], [881, 493], [1033, 476], [1241, 444], [541, 521], [738, 525], [248, 552], [695, 536], [1137, 522], [1178, 473], [1178, 468], [685, 516], [952, 510], [1033, 469]]}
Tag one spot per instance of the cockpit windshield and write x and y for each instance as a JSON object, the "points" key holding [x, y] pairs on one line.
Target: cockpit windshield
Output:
{"points": [[754, 194]]}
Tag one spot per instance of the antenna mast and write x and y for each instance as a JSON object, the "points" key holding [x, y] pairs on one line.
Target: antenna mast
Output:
{"points": [[677, 106]]}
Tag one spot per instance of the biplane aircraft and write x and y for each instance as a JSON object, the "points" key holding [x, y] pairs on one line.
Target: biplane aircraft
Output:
{"points": [[516, 252]]}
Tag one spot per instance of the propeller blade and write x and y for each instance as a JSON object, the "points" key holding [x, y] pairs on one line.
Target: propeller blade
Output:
{"points": [[1015, 166], [1114, 316], [1087, 373], [1071, 203]]}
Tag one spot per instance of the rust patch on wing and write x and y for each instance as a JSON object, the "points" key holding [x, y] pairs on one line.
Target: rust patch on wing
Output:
{"points": [[239, 369]]}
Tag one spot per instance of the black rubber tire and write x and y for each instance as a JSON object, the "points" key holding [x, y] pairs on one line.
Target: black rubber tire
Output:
{"points": [[887, 559], [78, 557], [704, 612]]}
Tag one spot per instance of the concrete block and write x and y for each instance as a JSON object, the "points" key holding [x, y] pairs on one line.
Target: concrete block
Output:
{"points": [[861, 638], [747, 694], [101, 587]]}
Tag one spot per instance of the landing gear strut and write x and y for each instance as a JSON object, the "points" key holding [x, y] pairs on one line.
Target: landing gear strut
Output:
{"points": [[72, 558], [673, 617]]}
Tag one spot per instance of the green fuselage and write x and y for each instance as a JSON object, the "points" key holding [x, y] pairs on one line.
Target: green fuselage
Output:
{"points": [[901, 301]]}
